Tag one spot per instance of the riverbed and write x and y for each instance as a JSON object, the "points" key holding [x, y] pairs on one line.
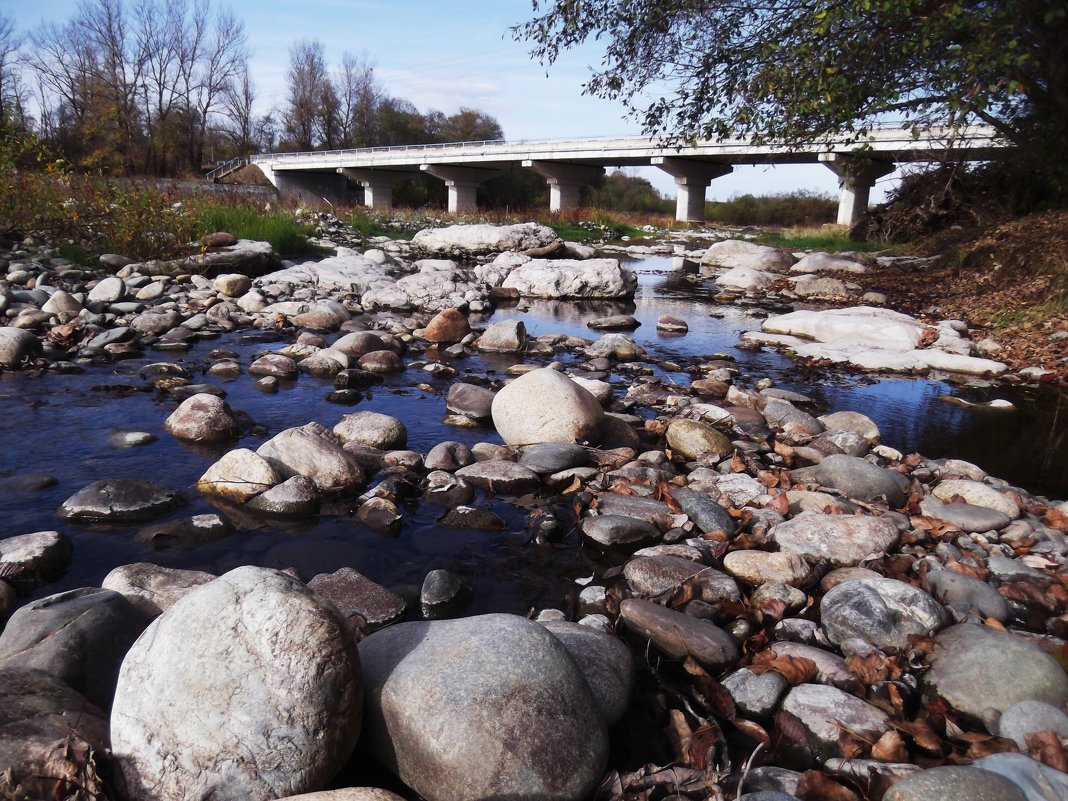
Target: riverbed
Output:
{"points": [[65, 426]]}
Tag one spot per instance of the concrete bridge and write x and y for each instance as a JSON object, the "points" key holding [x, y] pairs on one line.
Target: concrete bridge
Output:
{"points": [[567, 164]]}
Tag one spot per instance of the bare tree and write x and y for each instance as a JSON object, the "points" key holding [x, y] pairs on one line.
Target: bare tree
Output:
{"points": [[358, 93], [306, 76], [219, 57], [238, 102], [12, 98]]}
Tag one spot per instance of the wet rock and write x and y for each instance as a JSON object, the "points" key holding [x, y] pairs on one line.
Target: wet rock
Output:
{"points": [[545, 406], [365, 605], [954, 781], [856, 478], [825, 712], [615, 532], [274, 365], [1038, 782], [761, 567], [552, 457], [79, 636], [202, 418], [314, 452], [692, 440], [379, 514], [381, 361], [326, 363], [616, 346], [448, 455], [604, 660], [614, 322], [30, 560], [254, 658], [1028, 717], [359, 343], [43, 722], [506, 478], [789, 420], [187, 532], [471, 517], [238, 476], [975, 668], [374, 429], [17, 345], [671, 324], [443, 594], [954, 589], [754, 695], [470, 400], [153, 589], [507, 336], [852, 421], [449, 325], [842, 540], [120, 500], [703, 510], [885, 612], [477, 678], [294, 497], [977, 494], [679, 635]]}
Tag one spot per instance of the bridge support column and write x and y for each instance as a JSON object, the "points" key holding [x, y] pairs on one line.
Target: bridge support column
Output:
{"points": [[692, 179], [565, 181], [310, 186], [856, 176], [462, 183], [377, 185]]}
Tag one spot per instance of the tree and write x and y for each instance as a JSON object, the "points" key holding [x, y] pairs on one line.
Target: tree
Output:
{"points": [[803, 70], [358, 93], [12, 99], [238, 102], [306, 77], [469, 125]]}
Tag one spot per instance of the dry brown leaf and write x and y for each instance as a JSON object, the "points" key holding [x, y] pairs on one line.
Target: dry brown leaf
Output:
{"points": [[869, 668], [701, 750], [795, 669], [1054, 518], [779, 503], [753, 730], [818, 786], [922, 735], [890, 748], [1046, 747], [678, 733]]}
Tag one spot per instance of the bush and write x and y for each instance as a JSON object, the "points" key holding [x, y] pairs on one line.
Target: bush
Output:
{"points": [[794, 208], [286, 234]]}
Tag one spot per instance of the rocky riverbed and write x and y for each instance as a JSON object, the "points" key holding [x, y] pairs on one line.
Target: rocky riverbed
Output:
{"points": [[595, 573]]}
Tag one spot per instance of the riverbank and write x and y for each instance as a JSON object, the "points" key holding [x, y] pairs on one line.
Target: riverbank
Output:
{"points": [[734, 591]]}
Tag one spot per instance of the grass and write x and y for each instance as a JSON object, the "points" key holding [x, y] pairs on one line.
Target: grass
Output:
{"points": [[831, 239], [287, 236], [371, 223]]}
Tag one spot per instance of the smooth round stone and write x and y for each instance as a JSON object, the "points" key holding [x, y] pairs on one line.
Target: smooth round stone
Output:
{"points": [[546, 406], [274, 365], [30, 560], [762, 567], [153, 589], [653, 575], [1028, 717], [238, 476], [120, 500], [313, 451], [614, 322], [705, 512], [976, 668], [108, 290], [1036, 780], [294, 497], [507, 336], [674, 325], [679, 635], [692, 440], [202, 418], [131, 439], [952, 588], [378, 514], [787, 418], [17, 345], [470, 400], [826, 711], [374, 429], [605, 661], [885, 612], [507, 478], [449, 325], [857, 478], [953, 782], [471, 517], [965, 516], [977, 494], [381, 361], [449, 455], [755, 695], [842, 540], [618, 532], [852, 421], [442, 594], [253, 657], [830, 668], [552, 457], [841, 575], [521, 718]]}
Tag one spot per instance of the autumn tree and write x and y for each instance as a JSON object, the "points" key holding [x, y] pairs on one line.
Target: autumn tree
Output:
{"points": [[802, 70], [12, 91]]}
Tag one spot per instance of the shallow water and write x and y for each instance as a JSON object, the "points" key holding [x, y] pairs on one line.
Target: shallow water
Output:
{"points": [[61, 425]]}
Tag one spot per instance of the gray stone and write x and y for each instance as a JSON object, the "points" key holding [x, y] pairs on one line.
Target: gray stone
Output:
{"points": [[977, 494], [108, 290], [965, 516], [470, 400], [784, 417], [442, 594], [703, 510], [842, 540], [495, 475], [43, 725], [153, 589], [374, 429], [975, 668], [238, 476], [274, 365], [953, 588], [605, 661], [202, 418], [760, 567], [253, 658], [552, 457], [294, 497], [856, 478], [79, 636], [17, 345], [692, 439], [1028, 717], [679, 635], [381, 361], [608, 531], [1036, 781], [653, 575], [830, 668], [546, 406], [186, 532], [448, 455], [31, 560], [521, 718], [120, 500], [826, 711], [885, 612], [953, 782], [359, 343], [314, 452], [507, 336], [755, 695], [365, 605]]}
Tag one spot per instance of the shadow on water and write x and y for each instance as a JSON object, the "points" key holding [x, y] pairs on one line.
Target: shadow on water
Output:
{"points": [[63, 426]]}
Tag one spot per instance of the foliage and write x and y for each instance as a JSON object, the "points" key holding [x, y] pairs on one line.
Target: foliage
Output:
{"points": [[802, 70], [794, 208], [591, 225], [621, 192], [831, 239], [286, 234], [376, 223]]}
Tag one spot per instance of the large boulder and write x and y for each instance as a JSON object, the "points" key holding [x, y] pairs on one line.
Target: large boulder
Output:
{"points": [[30, 560], [481, 707], [546, 406], [314, 452], [120, 500], [842, 540], [202, 418], [570, 278], [883, 611], [465, 241], [247, 687], [239, 476], [79, 636], [373, 429], [739, 253]]}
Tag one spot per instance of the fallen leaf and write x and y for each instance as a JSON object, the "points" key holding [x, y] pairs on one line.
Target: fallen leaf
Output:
{"points": [[890, 748], [795, 669], [818, 786], [922, 735], [753, 730], [1046, 747]]}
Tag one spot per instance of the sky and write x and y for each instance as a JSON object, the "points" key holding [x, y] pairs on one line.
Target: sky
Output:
{"points": [[450, 54]]}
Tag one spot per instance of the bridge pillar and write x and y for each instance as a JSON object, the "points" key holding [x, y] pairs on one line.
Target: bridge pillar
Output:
{"points": [[692, 179], [377, 185], [462, 183], [565, 181], [307, 185], [856, 176]]}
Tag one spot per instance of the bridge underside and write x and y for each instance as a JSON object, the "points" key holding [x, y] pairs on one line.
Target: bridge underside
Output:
{"points": [[567, 166]]}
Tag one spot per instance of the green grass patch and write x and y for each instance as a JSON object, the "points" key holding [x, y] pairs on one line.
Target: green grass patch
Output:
{"points": [[287, 236], [375, 224], [830, 240]]}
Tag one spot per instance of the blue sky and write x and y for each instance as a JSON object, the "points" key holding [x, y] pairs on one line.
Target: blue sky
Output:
{"points": [[445, 55]]}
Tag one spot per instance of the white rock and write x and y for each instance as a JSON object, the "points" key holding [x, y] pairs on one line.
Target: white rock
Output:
{"points": [[977, 494], [826, 263], [239, 476], [739, 253], [472, 240], [545, 406], [571, 278]]}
